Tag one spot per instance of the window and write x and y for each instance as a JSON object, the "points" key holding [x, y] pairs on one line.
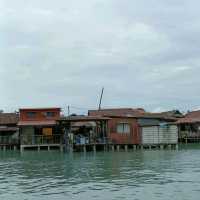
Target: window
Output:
{"points": [[50, 114], [123, 128], [31, 114]]}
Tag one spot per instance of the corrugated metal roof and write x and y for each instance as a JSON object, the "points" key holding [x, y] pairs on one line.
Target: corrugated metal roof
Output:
{"points": [[116, 111], [8, 129], [129, 113], [191, 117], [37, 123], [8, 118], [83, 118], [45, 108], [188, 120]]}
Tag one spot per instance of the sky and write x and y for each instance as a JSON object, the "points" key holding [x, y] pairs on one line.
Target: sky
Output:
{"points": [[60, 53]]}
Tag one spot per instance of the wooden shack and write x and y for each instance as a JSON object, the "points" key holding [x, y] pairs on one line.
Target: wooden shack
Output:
{"points": [[82, 133], [189, 127], [136, 127], [9, 135], [38, 128]]}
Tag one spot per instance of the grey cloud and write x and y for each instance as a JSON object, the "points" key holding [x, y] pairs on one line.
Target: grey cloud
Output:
{"points": [[60, 53]]}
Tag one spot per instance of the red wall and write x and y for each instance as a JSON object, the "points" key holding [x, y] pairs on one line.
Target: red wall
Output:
{"points": [[40, 114], [132, 138]]}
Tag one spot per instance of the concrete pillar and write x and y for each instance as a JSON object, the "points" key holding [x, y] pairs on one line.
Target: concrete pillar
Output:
{"points": [[141, 147], [169, 146], [161, 147], [134, 147], [118, 147], [126, 148], [21, 149], [84, 149], [71, 148], [104, 147], [38, 148], [48, 148], [149, 147], [113, 148], [4, 148], [61, 148], [14, 148], [94, 148], [176, 146]]}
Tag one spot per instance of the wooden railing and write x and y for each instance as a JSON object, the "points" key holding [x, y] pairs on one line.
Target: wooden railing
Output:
{"points": [[42, 140], [8, 140]]}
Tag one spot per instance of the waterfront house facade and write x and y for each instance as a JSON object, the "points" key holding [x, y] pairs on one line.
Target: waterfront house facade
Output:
{"points": [[123, 127], [189, 127], [84, 131], [38, 127], [137, 127], [9, 135]]}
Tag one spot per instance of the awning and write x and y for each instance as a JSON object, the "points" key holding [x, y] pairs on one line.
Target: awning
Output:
{"points": [[85, 123], [37, 123], [13, 129]]}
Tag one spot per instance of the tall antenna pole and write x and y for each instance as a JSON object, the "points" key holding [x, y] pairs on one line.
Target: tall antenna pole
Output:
{"points": [[68, 110], [101, 98]]}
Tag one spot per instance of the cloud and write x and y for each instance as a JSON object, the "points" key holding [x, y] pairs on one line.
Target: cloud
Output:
{"points": [[146, 54]]}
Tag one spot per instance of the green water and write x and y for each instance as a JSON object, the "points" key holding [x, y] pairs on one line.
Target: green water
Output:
{"points": [[148, 174]]}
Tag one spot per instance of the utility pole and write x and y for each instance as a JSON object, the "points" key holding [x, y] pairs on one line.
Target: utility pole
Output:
{"points": [[68, 110], [101, 98]]}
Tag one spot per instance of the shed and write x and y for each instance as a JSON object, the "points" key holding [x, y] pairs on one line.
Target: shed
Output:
{"points": [[159, 134]]}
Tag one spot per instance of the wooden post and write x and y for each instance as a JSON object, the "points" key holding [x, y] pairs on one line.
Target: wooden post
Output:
{"points": [[134, 147], [15, 148], [38, 148], [141, 147], [176, 146], [161, 147], [48, 148]]}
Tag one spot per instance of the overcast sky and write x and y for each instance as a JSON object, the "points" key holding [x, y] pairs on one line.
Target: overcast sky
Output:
{"points": [[145, 53]]}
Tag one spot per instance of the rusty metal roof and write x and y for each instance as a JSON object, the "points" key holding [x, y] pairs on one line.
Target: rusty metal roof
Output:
{"points": [[37, 123], [83, 118], [191, 117], [116, 111], [129, 113], [8, 118]]}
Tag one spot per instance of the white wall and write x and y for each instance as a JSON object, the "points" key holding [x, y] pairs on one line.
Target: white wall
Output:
{"points": [[160, 134]]}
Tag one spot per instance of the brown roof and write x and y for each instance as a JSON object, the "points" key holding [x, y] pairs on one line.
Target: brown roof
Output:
{"points": [[83, 118], [37, 123], [193, 114], [191, 117], [38, 109], [129, 113], [117, 112], [188, 120], [8, 118]]}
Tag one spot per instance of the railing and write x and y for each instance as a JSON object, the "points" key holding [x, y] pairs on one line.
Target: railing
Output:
{"points": [[42, 140], [8, 140]]}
